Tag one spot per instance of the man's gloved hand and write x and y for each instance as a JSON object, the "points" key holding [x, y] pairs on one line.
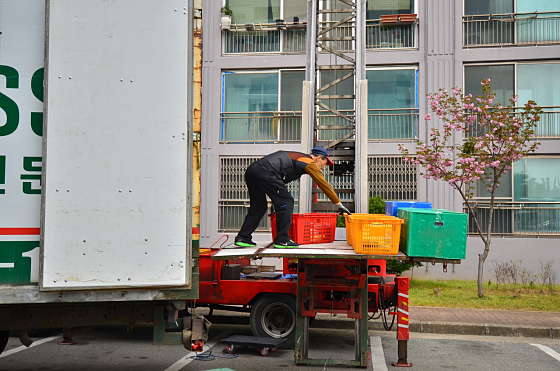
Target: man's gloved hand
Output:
{"points": [[342, 209]]}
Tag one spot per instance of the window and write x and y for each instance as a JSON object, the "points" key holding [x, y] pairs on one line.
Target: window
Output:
{"points": [[541, 83], [502, 80], [537, 179], [540, 27], [536, 182], [536, 81], [377, 8], [392, 103], [295, 11], [266, 26], [261, 106], [478, 7], [254, 11], [528, 200], [509, 22], [234, 197], [391, 178], [386, 35], [503, 191]]}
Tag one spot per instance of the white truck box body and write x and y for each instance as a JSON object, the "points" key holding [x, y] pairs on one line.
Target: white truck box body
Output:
{"points": [[115, 200]]}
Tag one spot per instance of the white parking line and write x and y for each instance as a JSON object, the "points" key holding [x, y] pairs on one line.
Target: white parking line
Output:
{"points": [[23, 347], [548, 351], [377, 355], [182, 362]]}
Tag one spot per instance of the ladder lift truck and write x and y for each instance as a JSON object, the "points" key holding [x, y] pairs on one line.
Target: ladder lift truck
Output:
{"points": [[331, 278]]}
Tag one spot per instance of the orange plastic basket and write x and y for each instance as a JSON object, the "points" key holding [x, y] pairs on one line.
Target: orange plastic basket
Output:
{"points": [[309, 228], [373, 233]]}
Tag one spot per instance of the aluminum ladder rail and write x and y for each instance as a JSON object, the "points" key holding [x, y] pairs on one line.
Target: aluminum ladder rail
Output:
{"points": [[336, 45]]}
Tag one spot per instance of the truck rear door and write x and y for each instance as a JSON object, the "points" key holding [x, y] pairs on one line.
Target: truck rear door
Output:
{"points": [[116, 198]]}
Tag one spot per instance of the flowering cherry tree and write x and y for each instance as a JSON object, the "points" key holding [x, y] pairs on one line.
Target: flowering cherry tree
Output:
{"points": [[478, 141]]}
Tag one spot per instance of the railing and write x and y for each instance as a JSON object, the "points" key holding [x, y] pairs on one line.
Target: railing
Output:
{"points": [[291, 38], [334, 127], [520, 219], [539, 28], [397, 123], [339, 38], [255, 127], [264, 38], [549, 124], [547, 127], [393, 36]]}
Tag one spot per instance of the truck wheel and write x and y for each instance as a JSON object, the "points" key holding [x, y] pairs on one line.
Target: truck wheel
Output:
{"points": [[4, 336], [274, 316]]}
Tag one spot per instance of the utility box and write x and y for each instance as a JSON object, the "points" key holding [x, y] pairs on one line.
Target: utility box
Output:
{"points": [[392, 207], [433, 233]]}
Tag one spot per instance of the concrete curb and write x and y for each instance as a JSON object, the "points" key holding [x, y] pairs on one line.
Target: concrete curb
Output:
{"points": [[434, 327], [451, 328]]}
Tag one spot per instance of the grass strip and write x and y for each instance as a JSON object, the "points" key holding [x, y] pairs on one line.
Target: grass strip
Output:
{"points": [[463, 294]]}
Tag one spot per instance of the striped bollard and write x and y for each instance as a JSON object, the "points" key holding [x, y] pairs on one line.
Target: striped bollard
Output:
{"points": [[402, 285]]}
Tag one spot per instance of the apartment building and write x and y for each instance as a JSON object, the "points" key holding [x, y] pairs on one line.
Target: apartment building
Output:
{"points": [[254, 66]]}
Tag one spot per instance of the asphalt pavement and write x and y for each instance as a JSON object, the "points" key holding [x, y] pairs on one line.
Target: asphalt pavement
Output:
{"points": [[104, 349]]}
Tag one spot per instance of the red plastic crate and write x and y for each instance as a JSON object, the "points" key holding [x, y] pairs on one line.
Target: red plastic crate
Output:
{"points": [[309, 228]]}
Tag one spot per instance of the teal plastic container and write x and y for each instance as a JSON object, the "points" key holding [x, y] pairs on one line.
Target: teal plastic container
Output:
{"points": [[433, 233]]}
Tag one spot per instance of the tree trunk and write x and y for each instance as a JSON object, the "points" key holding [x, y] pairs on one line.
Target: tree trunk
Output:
{"points": [[481, 259]]}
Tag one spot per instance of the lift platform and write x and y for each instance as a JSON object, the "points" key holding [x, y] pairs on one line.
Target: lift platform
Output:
{"points": [[336, 265]]}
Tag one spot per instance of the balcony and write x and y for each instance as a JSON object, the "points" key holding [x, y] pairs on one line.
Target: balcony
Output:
{"points": [[291, 37], [518, 219], [511, 29], [396, 123], [380, 35], [260, 127], [547, 128], [264, 38]]}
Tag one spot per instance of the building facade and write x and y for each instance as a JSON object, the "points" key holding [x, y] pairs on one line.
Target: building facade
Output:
{"points": [[254, 65]]}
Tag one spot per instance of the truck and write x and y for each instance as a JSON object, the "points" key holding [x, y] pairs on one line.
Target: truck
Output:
{"points": [[95, 166], [95, 169]]}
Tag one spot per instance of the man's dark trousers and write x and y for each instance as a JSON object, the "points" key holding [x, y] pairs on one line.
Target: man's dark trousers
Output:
{"points": [[262, 182]]}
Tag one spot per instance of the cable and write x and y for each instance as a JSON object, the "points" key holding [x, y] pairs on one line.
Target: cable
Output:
{"points": [[218, 240], [386, 326], [384, 320], [209, 356], [373, 315]]}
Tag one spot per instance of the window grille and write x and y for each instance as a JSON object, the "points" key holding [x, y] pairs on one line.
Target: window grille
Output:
{"points": [[391, 178], [234, 197]]}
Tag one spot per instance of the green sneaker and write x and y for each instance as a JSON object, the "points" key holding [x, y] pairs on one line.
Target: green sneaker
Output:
{"points": [[286, 245], [243, 243]]}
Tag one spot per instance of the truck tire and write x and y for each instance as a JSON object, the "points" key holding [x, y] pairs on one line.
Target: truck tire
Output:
{"points": [[4, 336], [274, 316]]}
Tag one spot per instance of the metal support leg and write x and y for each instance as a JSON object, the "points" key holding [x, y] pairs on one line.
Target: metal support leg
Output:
{"points": [[301, 348], [361, 347], [67, 337], [402, 285], [160, 336]]}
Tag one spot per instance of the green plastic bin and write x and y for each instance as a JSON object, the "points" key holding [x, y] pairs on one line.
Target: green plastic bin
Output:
{"points": [[433, 233]]}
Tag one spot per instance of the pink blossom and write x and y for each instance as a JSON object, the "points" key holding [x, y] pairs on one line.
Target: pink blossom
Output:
{"points": [[428, 117]]}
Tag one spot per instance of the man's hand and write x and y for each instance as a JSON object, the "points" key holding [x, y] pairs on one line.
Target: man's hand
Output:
{"points": [[342, 209]]}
